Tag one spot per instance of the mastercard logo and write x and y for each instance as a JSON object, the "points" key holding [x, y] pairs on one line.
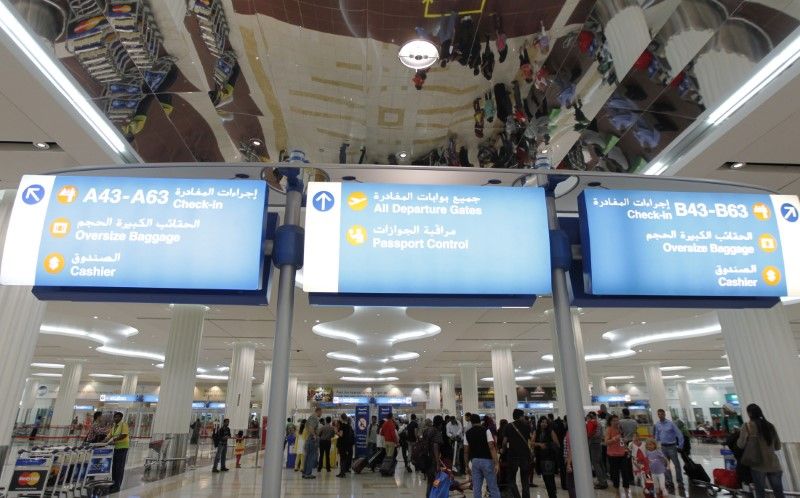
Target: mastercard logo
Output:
{"points": [[29, 479]]}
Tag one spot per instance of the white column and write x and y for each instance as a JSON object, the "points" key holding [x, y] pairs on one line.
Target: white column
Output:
{"points": [[434, 397], [130, 382], [583, 372], [762, 353], [685, 401], [505, 387], [291, 396], [240, 385], [599, 385], [469, 388], [655, 389], [449, 394], [265, 389], [67, 393], [302, 395], [28, 399], [20, 319], [174, 409]]}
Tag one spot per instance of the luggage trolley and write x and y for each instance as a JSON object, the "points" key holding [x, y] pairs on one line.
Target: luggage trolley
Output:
{"points": [[31, 474]]}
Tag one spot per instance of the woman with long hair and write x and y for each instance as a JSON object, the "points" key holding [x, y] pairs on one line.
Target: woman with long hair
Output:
{"points": [[619, 463], [546, 449], [762, 460], [299, 444]]}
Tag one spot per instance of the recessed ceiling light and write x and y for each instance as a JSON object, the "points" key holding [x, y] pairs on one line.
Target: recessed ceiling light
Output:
{"points": [[738, 165], [47, 365], [256, 142], [418, 54], [402, 155], [620, 377], [674, 368], [720, 368], [41, 145]]}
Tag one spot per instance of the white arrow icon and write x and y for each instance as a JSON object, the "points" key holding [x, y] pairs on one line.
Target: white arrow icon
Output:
{"points": [[790, 212], [32, 193], [322, 199]]}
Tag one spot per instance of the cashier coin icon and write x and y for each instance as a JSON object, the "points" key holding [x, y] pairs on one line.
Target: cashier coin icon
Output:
{"points": [[59, 227], [53, 263], [761, 211], [767, 243], [771, 275], [356, 235], [357, 201]]}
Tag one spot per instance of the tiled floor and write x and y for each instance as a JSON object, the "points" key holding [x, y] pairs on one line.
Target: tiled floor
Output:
{"points": [[246, 482]]}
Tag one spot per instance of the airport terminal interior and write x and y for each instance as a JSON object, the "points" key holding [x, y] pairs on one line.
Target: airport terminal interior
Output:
{"points": [[428, 248]]}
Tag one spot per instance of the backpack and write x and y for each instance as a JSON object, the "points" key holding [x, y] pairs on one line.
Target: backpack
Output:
{"points": [[421, 455]]}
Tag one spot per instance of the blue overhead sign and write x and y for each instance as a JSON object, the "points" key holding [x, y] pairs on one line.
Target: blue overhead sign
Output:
{"points": [[115, 232], [426, 239], [643, 243]]}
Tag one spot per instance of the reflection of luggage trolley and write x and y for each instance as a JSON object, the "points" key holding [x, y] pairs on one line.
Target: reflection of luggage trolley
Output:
{"points": [[158, 455]]}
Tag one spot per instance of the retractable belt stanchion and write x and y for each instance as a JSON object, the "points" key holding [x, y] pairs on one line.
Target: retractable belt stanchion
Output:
{"points": [[288, 257], [565, 332]]}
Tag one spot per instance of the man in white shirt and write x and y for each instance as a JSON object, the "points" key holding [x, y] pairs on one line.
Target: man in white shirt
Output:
{"points": [[455, 433]]}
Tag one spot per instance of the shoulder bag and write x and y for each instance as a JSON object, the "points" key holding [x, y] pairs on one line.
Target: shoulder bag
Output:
{"points": [[751, 456], [527, 444]]}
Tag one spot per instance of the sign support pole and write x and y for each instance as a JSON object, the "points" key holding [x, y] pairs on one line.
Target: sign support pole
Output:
{"points": [[273, 454], [565, 333]]}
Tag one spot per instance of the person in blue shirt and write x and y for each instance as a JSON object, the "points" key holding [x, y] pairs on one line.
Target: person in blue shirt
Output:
{"points": [[670, 438]]}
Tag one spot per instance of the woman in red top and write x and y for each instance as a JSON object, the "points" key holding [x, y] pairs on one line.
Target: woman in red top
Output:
{"points": [[618, 460], [389, 433]]}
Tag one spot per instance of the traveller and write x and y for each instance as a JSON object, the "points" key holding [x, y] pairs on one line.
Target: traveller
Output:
{"points": [[312, 444], [238, 448], [120, 437], [560, 428], [412, 435], [299, 446], [686, 449], [73, 425], [638, 456], [291, 429], [326, 433], [627, 426], [372, 435], [455, 435], [467, 421], [568, 467], [344, 445], [221, 437], [759, 440], [602, 421], [402, 435], [517, 436], [194, 439], [547, 450], [731, 421], [38, 424], [594, 433], [618, 459], [97, 433], [389, 433], [479, 447], [433, 441], [657, 464], [670, 438]]}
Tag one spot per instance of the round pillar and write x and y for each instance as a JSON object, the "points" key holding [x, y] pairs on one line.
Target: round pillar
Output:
{"points": [[434, 397], [20, 319], [655, 389], [240, 385], [469, 388], [449, 394], [599, 386], [762, 353], [302, 395], [67, 394], [265, 389], [685, 401], [28, 400], [505, 387], [174, 409], [130, 382]]}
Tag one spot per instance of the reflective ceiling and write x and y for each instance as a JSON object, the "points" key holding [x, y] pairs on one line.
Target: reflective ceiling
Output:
{"points": [[579, 84]]}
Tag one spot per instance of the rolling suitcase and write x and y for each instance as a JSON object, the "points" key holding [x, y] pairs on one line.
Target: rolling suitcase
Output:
{"points": [[359, 464], [387, 467], [376, 458], [695, 471]]}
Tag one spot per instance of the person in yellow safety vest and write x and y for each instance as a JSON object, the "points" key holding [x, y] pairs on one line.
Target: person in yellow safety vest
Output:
{"points": [[120, 437]]}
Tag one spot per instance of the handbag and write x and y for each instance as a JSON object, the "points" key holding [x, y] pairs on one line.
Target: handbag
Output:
{"points": [[441, 485], [530, 451], [751, 456], [547, 467]]}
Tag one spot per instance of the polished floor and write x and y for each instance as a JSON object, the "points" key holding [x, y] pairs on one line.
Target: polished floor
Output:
{"points": [[246, 482]]}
